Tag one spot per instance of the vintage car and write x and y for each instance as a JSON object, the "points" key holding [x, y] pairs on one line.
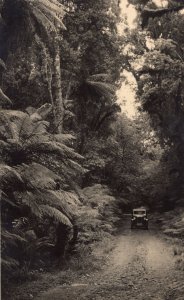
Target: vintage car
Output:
{"points": [[139, 218]]}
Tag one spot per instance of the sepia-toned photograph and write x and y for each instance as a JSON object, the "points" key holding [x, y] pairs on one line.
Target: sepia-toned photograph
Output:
{"points": [[92, 149]]}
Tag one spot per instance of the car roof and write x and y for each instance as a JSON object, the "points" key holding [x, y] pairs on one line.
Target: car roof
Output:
{"points": [[138, 209]]}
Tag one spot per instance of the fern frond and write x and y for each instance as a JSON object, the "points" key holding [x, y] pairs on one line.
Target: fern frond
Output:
{"points": [[13, 114], [75, 166], [53, 200], [4, 146], [52, 16], [59, 149], [69, 103], [9, 263], [29, 199], [64, 138], [44, 110], [21, 127], [43, 243], [55, 6], [2, 64], [15, 122], [69, 114], [27, 124], [36, 139], [3, 98], [6, 129], [40, 128], [7, 172], [12, 238], [5, 199], [69, 152], [102, 76], [103, 89], [63, 199], [44, 22], [55, 214], [38, 176]]}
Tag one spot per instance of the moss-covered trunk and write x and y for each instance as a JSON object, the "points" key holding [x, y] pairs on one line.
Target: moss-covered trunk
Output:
{"points": [[57, 89]]}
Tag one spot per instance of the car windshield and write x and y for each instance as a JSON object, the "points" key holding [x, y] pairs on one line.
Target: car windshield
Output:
{"points": [[139, 212]]}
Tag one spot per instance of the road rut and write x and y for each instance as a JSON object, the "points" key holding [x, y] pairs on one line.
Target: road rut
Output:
{"points": [[141, 267]]}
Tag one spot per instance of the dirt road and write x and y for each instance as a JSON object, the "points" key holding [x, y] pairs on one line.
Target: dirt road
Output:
{"points": [[141, 267]]}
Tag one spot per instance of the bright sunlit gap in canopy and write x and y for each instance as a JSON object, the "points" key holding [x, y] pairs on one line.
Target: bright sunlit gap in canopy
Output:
{"points": [[126, 94]]}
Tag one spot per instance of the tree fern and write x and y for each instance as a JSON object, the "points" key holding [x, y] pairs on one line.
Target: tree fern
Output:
{"points": [[103, 89], [55, 214], [28, 199], [43, 19], [59, 149], [4, 99], [42, 165], [32, 174], [64, 138], [7, 173], [75, 166], [8, 263], [12, 237], [15, 123], [2, 64], [66, 201], [48, 13]]}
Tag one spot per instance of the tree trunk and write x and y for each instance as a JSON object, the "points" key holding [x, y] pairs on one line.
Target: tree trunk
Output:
{"points": [[57, 92], [62, 234]]}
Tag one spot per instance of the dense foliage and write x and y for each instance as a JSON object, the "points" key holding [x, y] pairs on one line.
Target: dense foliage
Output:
{"points": [[49, 108], [69, 157], [156, 61]]}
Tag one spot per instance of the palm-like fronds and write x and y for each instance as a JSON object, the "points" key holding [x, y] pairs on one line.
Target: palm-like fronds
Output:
{"points": [[56, 148], [47, 13], [2, 64], [9, 239], [103, 89], [14, 122], [44, 110], [101, 77], [75, 166], [64, 138], [20, 127], [32, 135], [8, 263], [66, 201], [28, 199], [55, 214], [52, 12], [41, 191], [7, 173], [32, 175], [4, 198], [12, 237], [4, 99]]}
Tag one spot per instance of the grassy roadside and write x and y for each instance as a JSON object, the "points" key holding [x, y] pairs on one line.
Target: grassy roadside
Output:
{"points": [[172, 225], [77, 269], [173, 228]]}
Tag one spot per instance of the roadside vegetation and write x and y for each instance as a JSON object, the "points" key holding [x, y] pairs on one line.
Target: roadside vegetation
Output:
{"points": [[71, 161]]}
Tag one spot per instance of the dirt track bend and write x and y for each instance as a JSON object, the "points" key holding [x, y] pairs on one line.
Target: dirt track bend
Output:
{"points": [[141, 267]]}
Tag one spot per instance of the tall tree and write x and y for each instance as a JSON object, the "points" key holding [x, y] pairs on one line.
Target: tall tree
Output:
{"points": [[25, 20], [161, 88], [91, 62]]}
